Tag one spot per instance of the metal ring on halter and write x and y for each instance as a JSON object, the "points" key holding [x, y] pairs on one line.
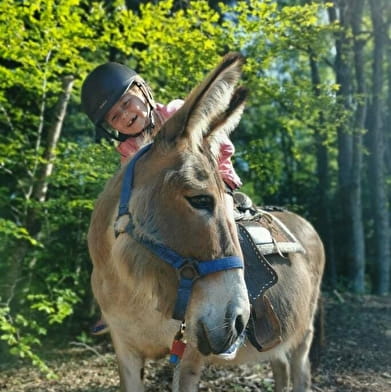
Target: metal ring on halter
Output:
{"points": [[189, 270]]}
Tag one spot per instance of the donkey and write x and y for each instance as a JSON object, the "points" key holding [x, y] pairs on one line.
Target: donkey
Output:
{"points": [[175, 255]]}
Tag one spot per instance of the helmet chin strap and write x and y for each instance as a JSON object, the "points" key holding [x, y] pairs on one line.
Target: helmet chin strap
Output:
{"points": [[112, 134], [121, 137], [150, 106]]}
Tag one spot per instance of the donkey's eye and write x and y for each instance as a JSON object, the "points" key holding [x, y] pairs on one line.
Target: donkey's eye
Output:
{"points": [[202, 202]]}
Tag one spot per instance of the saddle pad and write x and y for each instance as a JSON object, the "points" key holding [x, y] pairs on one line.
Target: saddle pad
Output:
{"points": [[258, 273], [263, 329], [271, 235]]}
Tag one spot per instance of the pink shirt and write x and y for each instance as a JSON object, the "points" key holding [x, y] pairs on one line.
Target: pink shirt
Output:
{"points": [[131, 145], [226, 169]]}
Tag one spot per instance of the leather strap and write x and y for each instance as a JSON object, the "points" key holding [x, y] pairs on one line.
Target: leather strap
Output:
{"points": [[264, 329], [188, 269]]}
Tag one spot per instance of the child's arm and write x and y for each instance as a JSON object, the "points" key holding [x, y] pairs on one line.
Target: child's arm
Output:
{"points": [[129, 147], [226, 168], [227, 149], [166, 111]]}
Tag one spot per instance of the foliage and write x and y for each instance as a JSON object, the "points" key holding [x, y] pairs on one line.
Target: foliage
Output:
{"points": [[54, 273], [21, 343]]}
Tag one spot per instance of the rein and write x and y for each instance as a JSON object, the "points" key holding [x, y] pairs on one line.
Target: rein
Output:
{"points": [[188, 269]]}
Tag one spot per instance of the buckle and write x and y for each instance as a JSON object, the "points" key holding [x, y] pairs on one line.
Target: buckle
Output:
{"points": [[189, 270]]}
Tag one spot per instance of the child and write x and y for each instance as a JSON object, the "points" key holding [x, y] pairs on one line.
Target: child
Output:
{"points": [[119, 102]]}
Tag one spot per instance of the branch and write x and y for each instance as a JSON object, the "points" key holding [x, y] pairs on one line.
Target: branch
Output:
{"points": [[40, 190], [89, 348], [40, 126], [7, 117]]}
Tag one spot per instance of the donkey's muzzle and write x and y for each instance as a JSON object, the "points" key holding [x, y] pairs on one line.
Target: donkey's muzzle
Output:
{"points": [[214, 339]]}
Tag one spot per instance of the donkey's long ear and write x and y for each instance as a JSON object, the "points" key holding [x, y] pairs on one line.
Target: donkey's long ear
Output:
{"points": [[205, 105], [227, 121]]}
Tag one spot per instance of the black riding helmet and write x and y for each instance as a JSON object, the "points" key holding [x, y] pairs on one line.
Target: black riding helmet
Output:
{"points": [[104, 86]]}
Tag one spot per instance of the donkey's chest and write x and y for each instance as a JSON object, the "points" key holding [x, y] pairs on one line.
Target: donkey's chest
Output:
{"points": [[145, 332]]}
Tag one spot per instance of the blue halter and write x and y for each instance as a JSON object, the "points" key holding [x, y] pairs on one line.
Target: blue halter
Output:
{"points": [[188, 269]]}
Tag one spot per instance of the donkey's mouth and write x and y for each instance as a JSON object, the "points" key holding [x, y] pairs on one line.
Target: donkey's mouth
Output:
{"points": [[213, 342]]}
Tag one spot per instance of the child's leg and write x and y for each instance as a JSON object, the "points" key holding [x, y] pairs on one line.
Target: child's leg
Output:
{"points": [[229, 206], [100, 327]]}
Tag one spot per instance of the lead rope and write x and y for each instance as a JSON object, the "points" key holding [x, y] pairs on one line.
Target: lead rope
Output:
{"points": [[178, 345]]}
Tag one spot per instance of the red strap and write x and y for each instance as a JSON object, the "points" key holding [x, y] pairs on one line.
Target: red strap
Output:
{"points": [[178, 348]]}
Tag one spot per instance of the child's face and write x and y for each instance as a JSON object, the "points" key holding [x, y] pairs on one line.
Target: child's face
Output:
{"points": [[129, 115]]}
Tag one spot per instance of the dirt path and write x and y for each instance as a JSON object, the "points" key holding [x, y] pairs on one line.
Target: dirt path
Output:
{"points": [[356, 357]]}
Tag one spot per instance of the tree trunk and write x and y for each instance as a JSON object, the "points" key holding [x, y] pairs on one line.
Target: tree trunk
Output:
{"points": [[343, 78], [342, 224], [357, 271], [322, 160], [387, 127], [377, 140]]}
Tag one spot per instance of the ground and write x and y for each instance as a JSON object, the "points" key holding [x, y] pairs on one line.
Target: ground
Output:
{"points": [[356, 357]]}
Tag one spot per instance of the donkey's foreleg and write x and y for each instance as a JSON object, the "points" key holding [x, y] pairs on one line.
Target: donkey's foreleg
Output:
{"points": [[131, 367], [281, 370], [300, 364], [188, 372]]}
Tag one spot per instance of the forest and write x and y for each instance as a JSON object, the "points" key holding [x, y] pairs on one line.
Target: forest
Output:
{"points": [[315, 136]]}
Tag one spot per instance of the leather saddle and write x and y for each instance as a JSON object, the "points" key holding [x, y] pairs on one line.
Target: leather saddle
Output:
{"points": [[261, 234]]}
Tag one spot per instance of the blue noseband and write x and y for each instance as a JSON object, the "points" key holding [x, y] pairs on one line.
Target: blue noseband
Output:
{"points": [[188, 269]]}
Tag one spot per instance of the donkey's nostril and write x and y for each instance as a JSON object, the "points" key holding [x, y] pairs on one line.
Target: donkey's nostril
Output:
{"points": [[239, 325]]}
